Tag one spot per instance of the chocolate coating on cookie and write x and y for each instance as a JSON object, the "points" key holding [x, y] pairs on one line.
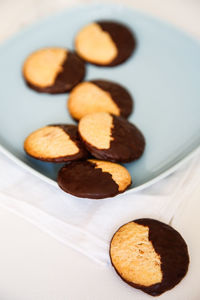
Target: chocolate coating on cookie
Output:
{"points": [[152, 270], [173, 252], [105, 43], [53, 70], [93, 179], [119, 94], [99, 96], [55, 143], [123, 39], [112, 138]]}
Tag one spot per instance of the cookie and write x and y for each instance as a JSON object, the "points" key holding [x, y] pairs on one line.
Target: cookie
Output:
{"points": [[55, 143], [105, 43], [149, 255], [53, 70], [112, 138], [93, 179], [99, 96]]}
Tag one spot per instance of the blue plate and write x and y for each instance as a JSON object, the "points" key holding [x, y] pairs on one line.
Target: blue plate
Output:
{"points": [[162, 75]]}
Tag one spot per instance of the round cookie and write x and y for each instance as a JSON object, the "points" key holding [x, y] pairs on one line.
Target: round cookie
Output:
{"points": [[112, 138], [105, 43], [53, 70], [149, 255], [93, 179], [99, 96], [55, 143]]}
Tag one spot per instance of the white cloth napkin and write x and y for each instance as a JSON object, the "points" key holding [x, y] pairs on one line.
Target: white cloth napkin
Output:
{"points": [[88, 225]]}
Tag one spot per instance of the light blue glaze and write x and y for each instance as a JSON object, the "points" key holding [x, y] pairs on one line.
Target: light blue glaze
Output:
{"points": [[163, 76]]}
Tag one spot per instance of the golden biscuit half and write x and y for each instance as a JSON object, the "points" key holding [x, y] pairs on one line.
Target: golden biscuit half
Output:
{"points": [[55, 143], [111, 138], [105, 43], [94, 179], [149, 255], [99, 96], [53, 70]]}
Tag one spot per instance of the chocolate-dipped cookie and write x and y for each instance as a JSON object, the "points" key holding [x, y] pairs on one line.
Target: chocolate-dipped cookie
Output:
{"points": [[93, 179], [53, 70], [112, 138], [99, 96], [105, 43], [149, 255], [55, 143]]}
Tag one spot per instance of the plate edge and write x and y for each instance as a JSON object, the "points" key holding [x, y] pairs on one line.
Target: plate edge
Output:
{"points": [[143, 186]]}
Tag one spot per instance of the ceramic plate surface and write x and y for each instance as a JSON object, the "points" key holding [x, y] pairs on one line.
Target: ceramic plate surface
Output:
{"points": [[162, 75]]}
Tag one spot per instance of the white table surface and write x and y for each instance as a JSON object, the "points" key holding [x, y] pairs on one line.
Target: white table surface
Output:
{"points": [[34, 266]]}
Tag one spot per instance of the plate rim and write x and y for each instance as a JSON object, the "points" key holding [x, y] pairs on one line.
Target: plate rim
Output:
{"points": [[31, 26], [143, 186]]}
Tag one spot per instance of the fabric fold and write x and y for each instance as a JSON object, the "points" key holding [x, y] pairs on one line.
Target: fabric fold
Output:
{"points": [[88, 225]]}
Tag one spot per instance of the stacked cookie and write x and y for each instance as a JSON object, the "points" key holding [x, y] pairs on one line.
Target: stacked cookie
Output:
{"points": [[103, 137]]}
